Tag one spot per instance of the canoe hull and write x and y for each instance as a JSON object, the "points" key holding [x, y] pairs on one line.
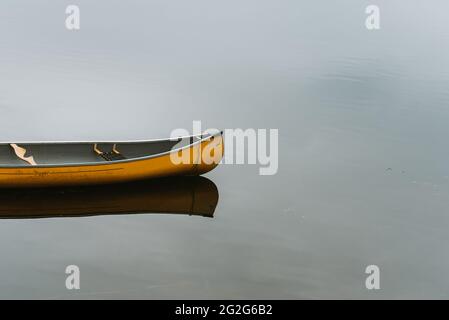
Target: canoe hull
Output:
{"points": [[115, 172]]}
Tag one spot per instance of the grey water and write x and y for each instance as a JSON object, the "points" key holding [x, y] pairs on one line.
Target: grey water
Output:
{"points": [[363, 120]]}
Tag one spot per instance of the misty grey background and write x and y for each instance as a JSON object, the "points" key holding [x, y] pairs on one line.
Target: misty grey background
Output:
{"points": [[363, 123]]}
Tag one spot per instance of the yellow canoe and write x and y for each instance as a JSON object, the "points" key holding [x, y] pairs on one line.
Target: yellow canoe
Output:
{"points": [[176, 195], [39, 164]]}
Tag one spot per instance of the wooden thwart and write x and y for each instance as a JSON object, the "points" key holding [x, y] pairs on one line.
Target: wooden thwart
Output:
{"points": [[109, 156], [20, 153]]}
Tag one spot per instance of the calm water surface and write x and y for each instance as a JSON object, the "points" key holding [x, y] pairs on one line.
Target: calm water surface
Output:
{"points": [[363, 122]]}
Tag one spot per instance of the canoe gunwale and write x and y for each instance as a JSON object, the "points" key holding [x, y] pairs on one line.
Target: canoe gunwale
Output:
{"points": [[109, 141]]}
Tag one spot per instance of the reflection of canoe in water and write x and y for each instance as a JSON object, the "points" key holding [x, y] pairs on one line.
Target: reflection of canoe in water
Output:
{"points": [[183, 195], [78, 163]]}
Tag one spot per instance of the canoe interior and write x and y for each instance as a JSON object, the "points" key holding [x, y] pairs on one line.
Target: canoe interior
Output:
{"points": [[65, 153]]}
